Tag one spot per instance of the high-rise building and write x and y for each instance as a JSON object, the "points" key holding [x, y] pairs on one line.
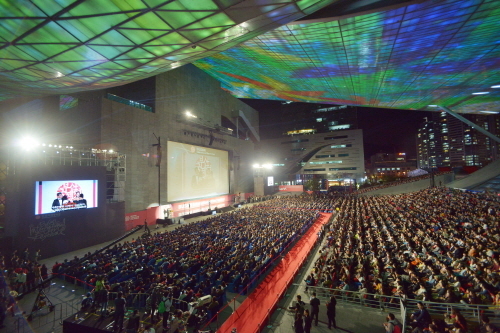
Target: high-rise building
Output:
{"points": [[319, 119], [446, 141]]}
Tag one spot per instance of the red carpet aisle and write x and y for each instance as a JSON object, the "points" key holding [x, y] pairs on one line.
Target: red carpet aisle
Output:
{"points": [[257, 307]]}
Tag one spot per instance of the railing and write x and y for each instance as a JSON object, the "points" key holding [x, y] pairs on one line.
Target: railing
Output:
{"points": [[262, 273], [44, 319], [472, 312]]}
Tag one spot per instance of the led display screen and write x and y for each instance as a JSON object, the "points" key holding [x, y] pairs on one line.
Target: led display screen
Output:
{"points": [[196, 172], [67, 102], [63, 195], [433, 52]]}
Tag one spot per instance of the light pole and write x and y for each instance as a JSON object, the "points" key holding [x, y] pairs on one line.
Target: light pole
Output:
{"points": [[258, 174]]}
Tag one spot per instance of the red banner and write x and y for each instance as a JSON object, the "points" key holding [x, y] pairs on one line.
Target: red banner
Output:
{"points": [[182, 208], [292, 188]]}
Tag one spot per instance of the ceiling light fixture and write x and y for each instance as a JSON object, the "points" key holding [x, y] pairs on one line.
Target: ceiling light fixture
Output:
{"points": [[481, 93]]}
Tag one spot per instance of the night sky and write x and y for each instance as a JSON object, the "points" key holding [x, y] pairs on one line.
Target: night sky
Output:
{"points": [[384, 130]]}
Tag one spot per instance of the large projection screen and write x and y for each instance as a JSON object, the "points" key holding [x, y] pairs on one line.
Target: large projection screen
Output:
{"points": [[196, 172]]}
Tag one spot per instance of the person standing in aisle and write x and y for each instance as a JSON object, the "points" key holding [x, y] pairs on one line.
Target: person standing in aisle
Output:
{"points": [[330, 311], [315, 303]]}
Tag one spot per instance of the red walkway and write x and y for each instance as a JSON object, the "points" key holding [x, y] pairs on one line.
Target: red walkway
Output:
{"points": [[256, 308]]}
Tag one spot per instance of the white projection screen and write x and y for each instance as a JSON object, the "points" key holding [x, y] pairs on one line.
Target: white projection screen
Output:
{"points": [[196, 172]]}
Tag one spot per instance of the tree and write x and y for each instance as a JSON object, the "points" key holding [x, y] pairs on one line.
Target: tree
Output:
{"points": [[312, 185]]}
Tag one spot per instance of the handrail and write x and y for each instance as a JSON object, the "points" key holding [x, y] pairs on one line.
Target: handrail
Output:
{"points": [[385, 301]]}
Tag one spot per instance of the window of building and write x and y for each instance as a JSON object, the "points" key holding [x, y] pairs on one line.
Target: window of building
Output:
{"points": [[341, 169], [298, 149], [129, 102], [325, 162], [295, 141], [343, 155], [315, 169], [324, 156], [335, 137], [341, 146]]}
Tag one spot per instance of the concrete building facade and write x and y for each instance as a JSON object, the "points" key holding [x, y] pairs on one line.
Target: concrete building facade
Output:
{"points": [[331, 155]]}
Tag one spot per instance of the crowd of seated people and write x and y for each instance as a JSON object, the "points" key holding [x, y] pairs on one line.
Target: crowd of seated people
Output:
{"points": [[224, 252], [433, 245], [259, 198], [399, 182]]}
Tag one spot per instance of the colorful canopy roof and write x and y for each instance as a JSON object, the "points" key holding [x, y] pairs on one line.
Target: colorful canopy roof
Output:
{"points": [[63, 46], [430, 53]]}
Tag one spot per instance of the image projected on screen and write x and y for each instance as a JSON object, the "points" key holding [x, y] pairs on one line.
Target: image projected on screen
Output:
{"points": [[61, 195], [196, 172]]}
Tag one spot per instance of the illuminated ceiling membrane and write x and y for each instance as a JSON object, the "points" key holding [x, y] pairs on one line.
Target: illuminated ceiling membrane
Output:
{"points": [[435, 52], [64, 46]]}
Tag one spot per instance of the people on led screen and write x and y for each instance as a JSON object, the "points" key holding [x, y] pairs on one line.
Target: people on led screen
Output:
{"points": [[65, 200], [58, 202], [63, 203], [81, 202]]}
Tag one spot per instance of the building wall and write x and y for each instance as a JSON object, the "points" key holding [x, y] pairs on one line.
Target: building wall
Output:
{"points": [[292, 150], [132, 131]]}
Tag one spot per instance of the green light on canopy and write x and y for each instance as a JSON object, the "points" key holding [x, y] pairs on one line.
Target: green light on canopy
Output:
{"points": [[70, 39]]}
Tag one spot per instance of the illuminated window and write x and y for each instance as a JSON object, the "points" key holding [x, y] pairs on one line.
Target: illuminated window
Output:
{"points": [[342, 169], [325, 162]]}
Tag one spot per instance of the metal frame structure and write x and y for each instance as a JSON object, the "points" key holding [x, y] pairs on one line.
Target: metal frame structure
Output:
{"points": [[115, 163]]}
